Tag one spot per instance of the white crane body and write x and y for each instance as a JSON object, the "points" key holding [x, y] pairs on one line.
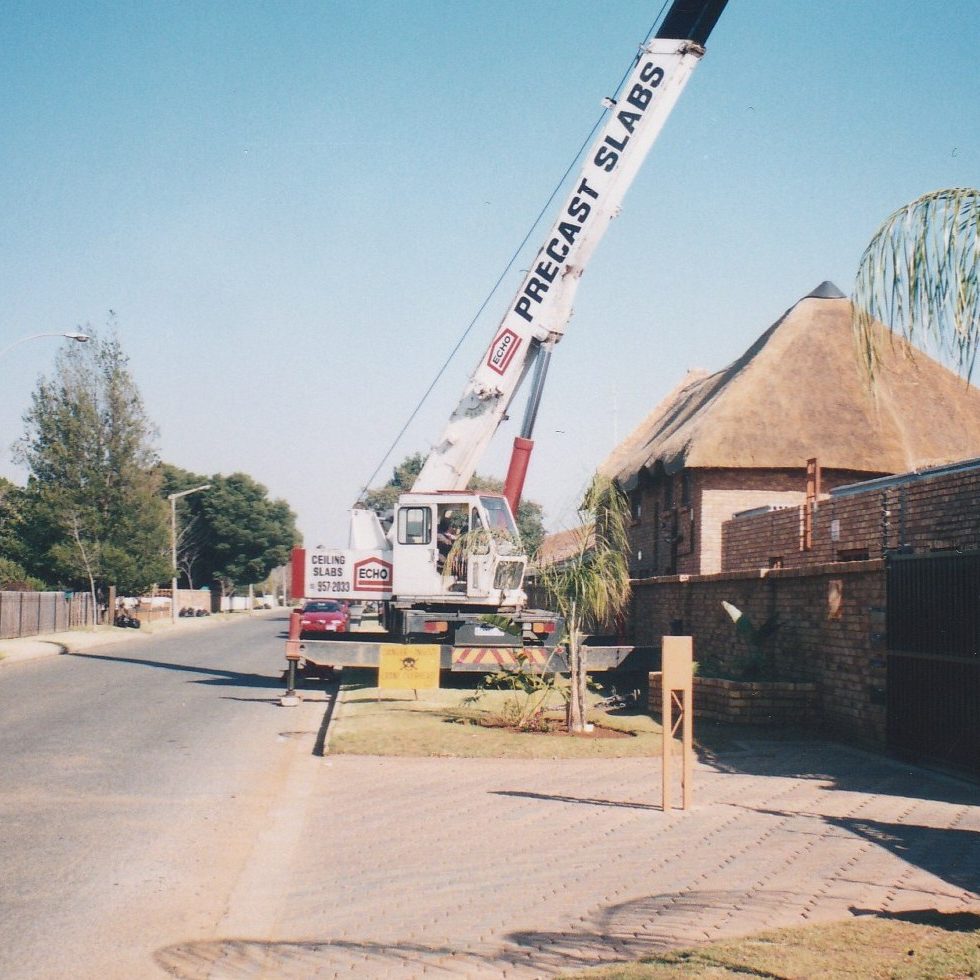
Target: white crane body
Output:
{"points": [[405, 566]]}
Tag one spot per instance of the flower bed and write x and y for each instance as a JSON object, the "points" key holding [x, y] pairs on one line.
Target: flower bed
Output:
{"points": [[747, 702]]}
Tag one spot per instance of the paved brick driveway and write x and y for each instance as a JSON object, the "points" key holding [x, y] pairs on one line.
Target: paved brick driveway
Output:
{"points": [[480, 868]]}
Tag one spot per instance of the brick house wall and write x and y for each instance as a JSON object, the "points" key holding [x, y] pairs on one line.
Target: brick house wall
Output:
{"points": [[718, 506], [830, 633], [678, 519], [930, 511]]}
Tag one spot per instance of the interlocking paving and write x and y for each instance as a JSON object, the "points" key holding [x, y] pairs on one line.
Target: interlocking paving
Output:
{"points": [[503, 868]]}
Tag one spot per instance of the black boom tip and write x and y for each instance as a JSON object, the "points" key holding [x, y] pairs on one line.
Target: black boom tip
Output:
{"points": [[691, 20]]}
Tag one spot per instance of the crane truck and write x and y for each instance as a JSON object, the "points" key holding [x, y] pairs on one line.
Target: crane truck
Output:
{"points": [[426, 590]]}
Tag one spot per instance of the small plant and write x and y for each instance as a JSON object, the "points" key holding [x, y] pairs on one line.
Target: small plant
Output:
{"points": [[466, 544], [530, 691], [754, 664]]}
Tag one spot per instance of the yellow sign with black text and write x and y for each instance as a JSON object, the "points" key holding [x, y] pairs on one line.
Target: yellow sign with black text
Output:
{"points": [[408, 666]]}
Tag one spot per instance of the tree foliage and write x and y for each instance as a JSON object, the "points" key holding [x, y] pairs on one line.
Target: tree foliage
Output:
{"points": [[13, 575], [529, 516], [11, 516], [591, 587], [92, 513], [248, 534], [384, 498], [14, 578], [920, 275], [191, 532], [231, 534]]}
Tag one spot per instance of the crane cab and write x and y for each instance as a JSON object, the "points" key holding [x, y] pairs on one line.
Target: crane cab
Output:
{"points": [[456, 548]]}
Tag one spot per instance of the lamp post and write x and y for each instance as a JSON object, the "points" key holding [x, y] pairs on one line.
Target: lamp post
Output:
{"points": [[172, 497], [80, 337]]}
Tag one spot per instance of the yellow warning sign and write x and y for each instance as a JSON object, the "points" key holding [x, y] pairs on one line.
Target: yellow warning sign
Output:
{"points": [[408, 666]]}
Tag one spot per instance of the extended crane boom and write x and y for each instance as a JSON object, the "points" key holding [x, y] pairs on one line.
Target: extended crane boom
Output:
{"points": [[451, 560], [537, 317]]}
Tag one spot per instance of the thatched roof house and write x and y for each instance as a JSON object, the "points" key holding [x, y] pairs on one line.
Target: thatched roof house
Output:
{"points": [[741, 437], [559, 546]]}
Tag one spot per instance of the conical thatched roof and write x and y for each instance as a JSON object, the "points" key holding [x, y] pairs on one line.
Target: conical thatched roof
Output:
{"points": [[800, 392]]}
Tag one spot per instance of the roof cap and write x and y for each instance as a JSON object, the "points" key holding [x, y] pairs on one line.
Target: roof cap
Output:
{"points": [[826, 290]]}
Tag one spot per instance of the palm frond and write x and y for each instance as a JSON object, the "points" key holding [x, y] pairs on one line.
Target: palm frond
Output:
{"points": [[475, 542], [592, 585], [920, 275]]}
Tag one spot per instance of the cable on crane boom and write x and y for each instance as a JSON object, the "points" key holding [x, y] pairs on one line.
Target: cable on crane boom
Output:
{"points": [[483, 305], [510, 263]]}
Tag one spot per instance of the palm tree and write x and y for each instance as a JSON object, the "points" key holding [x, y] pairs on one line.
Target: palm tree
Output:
{"points": [[921, 275], [591, 587]]}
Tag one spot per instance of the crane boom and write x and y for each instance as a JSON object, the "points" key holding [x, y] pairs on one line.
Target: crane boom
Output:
{"points": [[451, 559], [538, 315]]}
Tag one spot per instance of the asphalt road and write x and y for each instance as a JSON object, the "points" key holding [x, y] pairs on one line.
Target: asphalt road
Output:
{"points": [[139, 786]]}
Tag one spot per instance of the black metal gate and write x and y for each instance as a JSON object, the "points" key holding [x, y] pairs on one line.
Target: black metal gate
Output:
{"points": [[933, 626]]}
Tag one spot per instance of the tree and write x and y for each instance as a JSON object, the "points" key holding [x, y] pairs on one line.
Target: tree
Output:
{"points": [[231, 533], [13, 578], [92, 511], [191, 529], [920, 275], [245, 534], [11, 507], [13, 575], [384, 498], [529, 516], [592, 586]]}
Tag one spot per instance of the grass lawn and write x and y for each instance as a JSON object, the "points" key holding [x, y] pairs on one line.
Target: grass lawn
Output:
{"points": [[440, 723], [926, 944]]}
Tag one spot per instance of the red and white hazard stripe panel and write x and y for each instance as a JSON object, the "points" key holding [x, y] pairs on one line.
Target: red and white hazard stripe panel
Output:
{"points": [[501, 656]]}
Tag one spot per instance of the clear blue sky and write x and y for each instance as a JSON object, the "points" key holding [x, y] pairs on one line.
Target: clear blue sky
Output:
{"points": [[295, 208]]}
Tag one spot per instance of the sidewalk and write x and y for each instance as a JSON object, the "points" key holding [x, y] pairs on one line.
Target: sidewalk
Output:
{"points": [[478, 868], [82, 640]]}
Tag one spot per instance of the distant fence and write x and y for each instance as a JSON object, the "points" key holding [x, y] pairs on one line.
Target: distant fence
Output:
{"points": [[31, 613]]}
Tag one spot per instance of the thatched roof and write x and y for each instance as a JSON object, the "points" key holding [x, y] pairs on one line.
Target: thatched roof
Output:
{"points": [[560, 546], [800, 392]]}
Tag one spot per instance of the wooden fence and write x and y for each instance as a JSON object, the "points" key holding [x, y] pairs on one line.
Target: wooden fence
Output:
{"points": [[33, 613]]}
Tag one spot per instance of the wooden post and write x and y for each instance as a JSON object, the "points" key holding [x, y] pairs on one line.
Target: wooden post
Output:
{"points": [[678, 683], [293, 646]]}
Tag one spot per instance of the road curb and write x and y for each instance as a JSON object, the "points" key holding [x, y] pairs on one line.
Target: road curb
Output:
{"points": [[81, 641]]}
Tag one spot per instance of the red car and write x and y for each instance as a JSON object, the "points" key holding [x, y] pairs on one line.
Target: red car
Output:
{"points": [[323, 616]]}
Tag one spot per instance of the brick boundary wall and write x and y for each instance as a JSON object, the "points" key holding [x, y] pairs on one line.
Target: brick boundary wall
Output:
{"points": [[921, 513], [831, 633], [746, 702]]}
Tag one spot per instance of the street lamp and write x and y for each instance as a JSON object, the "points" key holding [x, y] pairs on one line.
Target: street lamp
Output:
{"points": [[80, 337], [172, 497]]}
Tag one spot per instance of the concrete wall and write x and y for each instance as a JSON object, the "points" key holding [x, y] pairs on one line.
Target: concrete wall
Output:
{"points": [[155, 608]]}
